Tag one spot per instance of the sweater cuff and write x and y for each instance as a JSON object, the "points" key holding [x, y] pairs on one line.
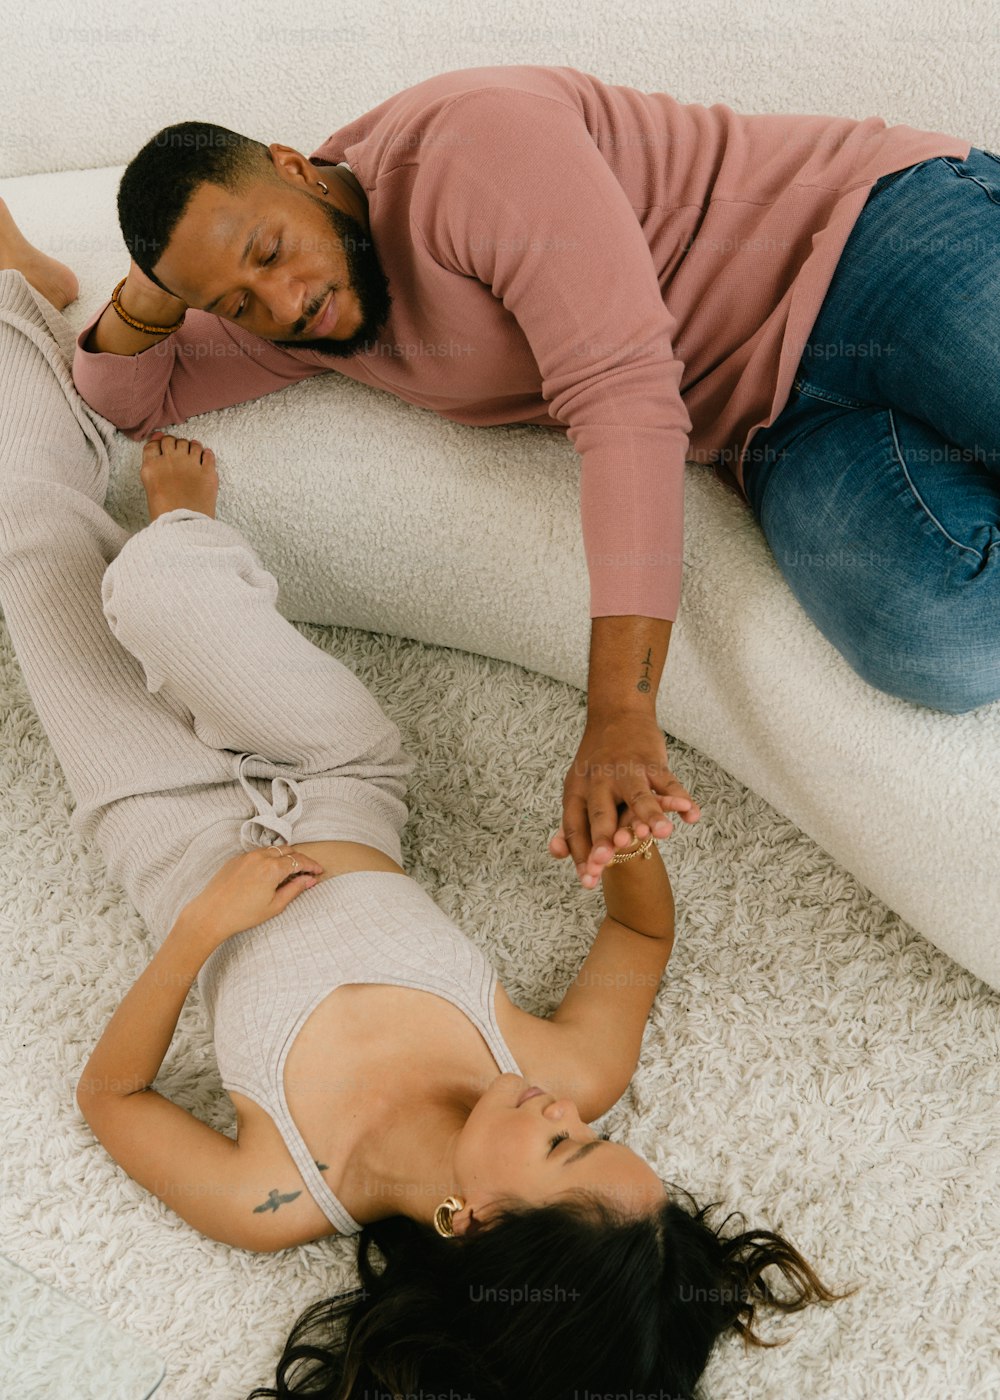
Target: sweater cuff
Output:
{"points": [[632, 509]]}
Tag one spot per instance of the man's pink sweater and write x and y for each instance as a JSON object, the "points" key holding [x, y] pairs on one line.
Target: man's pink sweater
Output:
{"points": [[639, 273]]}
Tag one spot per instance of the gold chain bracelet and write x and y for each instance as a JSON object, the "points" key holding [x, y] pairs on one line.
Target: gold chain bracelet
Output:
{"points": [[643, 850]]}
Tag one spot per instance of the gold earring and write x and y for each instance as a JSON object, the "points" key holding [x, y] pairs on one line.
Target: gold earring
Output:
{"points": [[443, 1222]]}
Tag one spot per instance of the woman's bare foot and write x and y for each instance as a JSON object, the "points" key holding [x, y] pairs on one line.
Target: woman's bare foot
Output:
{"points": [[56, 282], [178, 472]]}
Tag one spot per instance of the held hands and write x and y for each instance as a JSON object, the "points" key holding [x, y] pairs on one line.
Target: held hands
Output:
{"points": [[619, 777], [250, 889]]}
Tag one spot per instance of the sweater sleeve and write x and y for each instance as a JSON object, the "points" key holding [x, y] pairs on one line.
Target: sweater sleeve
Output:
{"points": [[520, 197], [209, 363]]}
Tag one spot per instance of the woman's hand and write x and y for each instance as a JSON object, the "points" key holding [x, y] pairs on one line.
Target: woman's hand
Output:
{"points": [[248, 890]]}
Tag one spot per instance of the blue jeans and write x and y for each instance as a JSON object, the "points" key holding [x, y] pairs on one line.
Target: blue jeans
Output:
{"points": [[878, 485]]}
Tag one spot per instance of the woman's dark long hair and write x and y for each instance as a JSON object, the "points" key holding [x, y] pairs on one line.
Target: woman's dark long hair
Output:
{"points": [[544, 1303]]}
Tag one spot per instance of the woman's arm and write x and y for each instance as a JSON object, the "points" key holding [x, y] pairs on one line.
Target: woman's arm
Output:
{"points": [[200, 1173], [188, 1165], [638, 894], [249, 889], [128, 1056], [606, 1007]]}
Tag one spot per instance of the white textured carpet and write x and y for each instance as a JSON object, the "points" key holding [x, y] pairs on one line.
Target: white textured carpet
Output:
{"points": [[810, 1059]]}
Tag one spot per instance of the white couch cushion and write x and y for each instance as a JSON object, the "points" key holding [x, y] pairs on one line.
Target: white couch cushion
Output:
{"points": [[375, 514]]}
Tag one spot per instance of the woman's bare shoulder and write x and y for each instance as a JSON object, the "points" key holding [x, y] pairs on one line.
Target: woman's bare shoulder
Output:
{"points": [[554, 1056]]}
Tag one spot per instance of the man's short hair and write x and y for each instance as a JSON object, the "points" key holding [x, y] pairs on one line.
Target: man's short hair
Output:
{"points": [[159, 182]]}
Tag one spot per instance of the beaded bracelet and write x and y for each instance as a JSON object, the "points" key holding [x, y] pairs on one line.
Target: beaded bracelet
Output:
{"points": [[141, 325]]}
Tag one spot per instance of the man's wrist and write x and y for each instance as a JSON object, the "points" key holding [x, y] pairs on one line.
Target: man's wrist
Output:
{"points": [[627, 656], [144, 305], [610, 707]]}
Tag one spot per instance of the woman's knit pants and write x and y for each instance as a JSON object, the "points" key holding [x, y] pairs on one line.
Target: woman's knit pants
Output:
{"points": [[191, 720]]}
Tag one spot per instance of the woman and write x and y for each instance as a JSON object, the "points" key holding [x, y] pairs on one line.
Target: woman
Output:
{"points": [[359, 1033]]}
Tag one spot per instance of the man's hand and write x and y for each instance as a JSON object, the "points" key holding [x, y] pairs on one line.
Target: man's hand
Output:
{"points": [[621, 763]]}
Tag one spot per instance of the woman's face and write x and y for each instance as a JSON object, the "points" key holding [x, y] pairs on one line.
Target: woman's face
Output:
{"points": [[534, 1147]]}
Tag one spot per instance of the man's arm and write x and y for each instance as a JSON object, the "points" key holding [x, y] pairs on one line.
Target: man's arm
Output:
{"points": [[621, 775], [143, 382], [627, 656], [143, 301], [586, 294]]}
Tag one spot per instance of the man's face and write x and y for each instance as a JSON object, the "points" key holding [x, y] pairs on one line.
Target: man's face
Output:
{"points": [[303, 246]]}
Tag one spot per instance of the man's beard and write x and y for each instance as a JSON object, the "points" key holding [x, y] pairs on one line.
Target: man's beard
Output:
{"points": [[366, 279]]}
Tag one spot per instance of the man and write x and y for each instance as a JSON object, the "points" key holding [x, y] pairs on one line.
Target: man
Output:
{"points": [[533, 220]]}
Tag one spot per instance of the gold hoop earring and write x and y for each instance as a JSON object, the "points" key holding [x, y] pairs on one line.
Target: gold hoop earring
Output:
{"points": [[443, 1222]]}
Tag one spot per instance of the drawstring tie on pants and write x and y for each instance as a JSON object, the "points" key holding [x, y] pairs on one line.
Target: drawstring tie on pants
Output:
{"points": [[275, 819]]}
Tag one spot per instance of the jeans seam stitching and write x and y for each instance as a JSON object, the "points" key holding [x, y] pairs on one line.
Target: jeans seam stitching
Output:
{"points": [[923, 504], [840, 400], [965, 175]]}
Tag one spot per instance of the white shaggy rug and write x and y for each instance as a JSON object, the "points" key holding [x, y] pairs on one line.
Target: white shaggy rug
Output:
{"points": [[810, 1059]]}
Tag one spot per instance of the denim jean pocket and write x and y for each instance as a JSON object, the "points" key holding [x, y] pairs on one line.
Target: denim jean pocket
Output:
{"points": [[982, 172]]}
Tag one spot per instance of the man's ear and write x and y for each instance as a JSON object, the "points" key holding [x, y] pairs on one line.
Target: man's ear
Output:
{"points": [[290, 163]]}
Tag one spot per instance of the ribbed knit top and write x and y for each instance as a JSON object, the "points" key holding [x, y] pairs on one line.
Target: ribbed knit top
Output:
{"points": [[370, 926]]}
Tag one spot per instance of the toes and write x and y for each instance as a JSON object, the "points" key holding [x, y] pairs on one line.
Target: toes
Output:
{"points": [[161, 445]]}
